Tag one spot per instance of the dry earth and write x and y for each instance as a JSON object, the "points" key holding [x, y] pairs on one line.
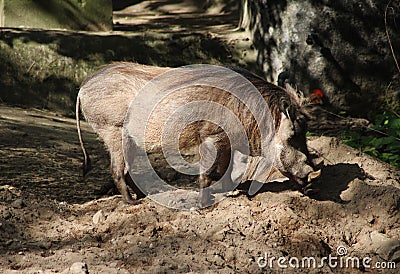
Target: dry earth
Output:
{"points": [[51, 221]]}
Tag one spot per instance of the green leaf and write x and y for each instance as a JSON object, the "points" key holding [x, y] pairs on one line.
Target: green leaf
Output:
{"points": [[380, 142], [395, 146]]}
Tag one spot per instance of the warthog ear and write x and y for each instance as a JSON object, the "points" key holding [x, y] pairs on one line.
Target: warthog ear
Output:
{"points": [[303, 102], [297, 96]]}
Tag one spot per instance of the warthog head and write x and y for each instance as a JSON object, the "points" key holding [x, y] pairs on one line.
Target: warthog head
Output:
{"points": [[293, 159]]}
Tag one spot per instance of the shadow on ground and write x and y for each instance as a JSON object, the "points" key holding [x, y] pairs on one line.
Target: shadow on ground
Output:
{"points": [[41, 155], [334, 180], [44, 68]]}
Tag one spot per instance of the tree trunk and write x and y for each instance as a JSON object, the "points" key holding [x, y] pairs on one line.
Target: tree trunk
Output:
{"points": [[337, 46]]}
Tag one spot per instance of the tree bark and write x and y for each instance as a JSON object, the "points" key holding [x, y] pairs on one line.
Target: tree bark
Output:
{"points": [[339, 47]]}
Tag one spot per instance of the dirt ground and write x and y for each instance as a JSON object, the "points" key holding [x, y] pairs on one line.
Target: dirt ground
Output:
{"points": [[52, 221]]}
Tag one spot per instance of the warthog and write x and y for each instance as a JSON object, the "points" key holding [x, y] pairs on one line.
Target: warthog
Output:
{"points": [[105, 96]]}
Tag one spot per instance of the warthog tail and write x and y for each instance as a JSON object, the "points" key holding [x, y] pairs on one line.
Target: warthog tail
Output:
{"points": [[86, 166]]}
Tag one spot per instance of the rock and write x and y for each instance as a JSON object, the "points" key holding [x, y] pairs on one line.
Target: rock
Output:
{"points": [[5, 214], [18, 203], [99, 217], [45, 213], [385, 247], [10, 190], [78, 268], [216, 234], [380, 244]]}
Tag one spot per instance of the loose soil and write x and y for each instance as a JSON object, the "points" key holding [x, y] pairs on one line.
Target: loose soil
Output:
{"points": [[52, 221]]}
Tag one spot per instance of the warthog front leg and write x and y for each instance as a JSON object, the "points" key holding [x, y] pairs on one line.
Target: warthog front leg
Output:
{"points": [[215, 156]]}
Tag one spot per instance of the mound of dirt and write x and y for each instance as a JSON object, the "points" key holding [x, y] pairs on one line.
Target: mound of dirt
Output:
{"points": [[51, 221]]}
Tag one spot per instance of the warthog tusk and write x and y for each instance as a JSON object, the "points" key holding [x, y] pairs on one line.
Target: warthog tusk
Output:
{"points": [[313, 175]]}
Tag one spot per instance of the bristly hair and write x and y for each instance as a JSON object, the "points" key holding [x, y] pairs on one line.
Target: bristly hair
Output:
{"points": [[303, 102], [272, 94], [297, 96]]}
